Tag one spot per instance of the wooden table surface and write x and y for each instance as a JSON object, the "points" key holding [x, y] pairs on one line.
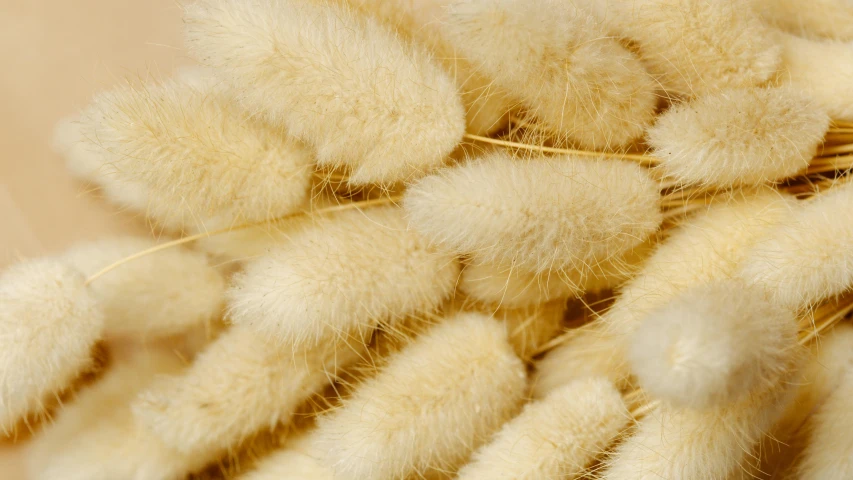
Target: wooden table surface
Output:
{"points": [[54, 54]]}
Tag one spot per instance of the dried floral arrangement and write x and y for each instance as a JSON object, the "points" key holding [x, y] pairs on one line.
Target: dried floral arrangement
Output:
{"points": [[473, 239]]}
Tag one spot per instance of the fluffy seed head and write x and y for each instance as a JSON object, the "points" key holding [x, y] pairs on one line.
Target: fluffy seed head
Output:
{"points": [[366, 100], [556, 437], [351, 271], [49, 322], [434, 402], [557, 59], [673, 442], [820, 69], [95, 437], [295, 461], [712, 344], [809, 255], [191, 147], [157, 295], [828, 452], [240, 384], [90, 163], [831, 19], [538, 214], [739, 136], [706, 248], [695, 47], [487, 107]]}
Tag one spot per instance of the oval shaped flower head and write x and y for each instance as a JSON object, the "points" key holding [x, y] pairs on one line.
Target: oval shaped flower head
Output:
{"points": [[712, 344], [49, 323], [352, 271], [684, 443], [95, 437], [831, 19], [820, 69], [829, 451], [366, 100], [807, 256], [739, 136], [559, 62], [158, 295], [295, 461], [538, 215], [487, 108], [556, 437], [240, 384], [189, 144], [433, 403], [696, 47], [90, 163], [705, 248]]}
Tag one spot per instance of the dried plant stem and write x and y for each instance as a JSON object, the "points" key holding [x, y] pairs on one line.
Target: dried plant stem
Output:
{"points": [[640, 158], [835, 150], [199, 236]]}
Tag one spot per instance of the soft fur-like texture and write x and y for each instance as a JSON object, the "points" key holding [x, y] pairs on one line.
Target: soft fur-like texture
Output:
{"points": [[696, 47], [809, 255], [739, 136], [241, 384], [706, 248], [495, 285], [49, 323], [90, 163], [295, 461], [157, 295], [821, 69], [708, 444], [349, 272], [96, 438], [537, 215], [553, 438], [829, 452], [712, 344], [366, 100], [809, 18], [435, 401], [487, 107], [192, 148], [558, 60]]}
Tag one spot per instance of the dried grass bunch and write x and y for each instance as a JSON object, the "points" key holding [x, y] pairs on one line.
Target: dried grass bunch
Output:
{"points": [[473, 239]]}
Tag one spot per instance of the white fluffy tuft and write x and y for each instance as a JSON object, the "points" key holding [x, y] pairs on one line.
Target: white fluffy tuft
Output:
{"points": [[538, 215], [829, 452], [712, 345], [822, 18], [49, 323], [242, 383], [192, 149], [352, 271], [295, 461], [434, 403], [820, 69], [674, 443], [809, 255], [695, 47], [157, 295], [740, 136], [553, 438], [366, 100], [558, 60], [95, 437], [705, 248]]}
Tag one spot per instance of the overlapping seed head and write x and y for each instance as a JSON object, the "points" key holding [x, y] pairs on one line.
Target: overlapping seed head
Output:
{"points": [[475, 239]]}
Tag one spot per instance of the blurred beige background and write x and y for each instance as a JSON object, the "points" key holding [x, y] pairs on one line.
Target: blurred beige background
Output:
{"points": [[54, 54]]}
